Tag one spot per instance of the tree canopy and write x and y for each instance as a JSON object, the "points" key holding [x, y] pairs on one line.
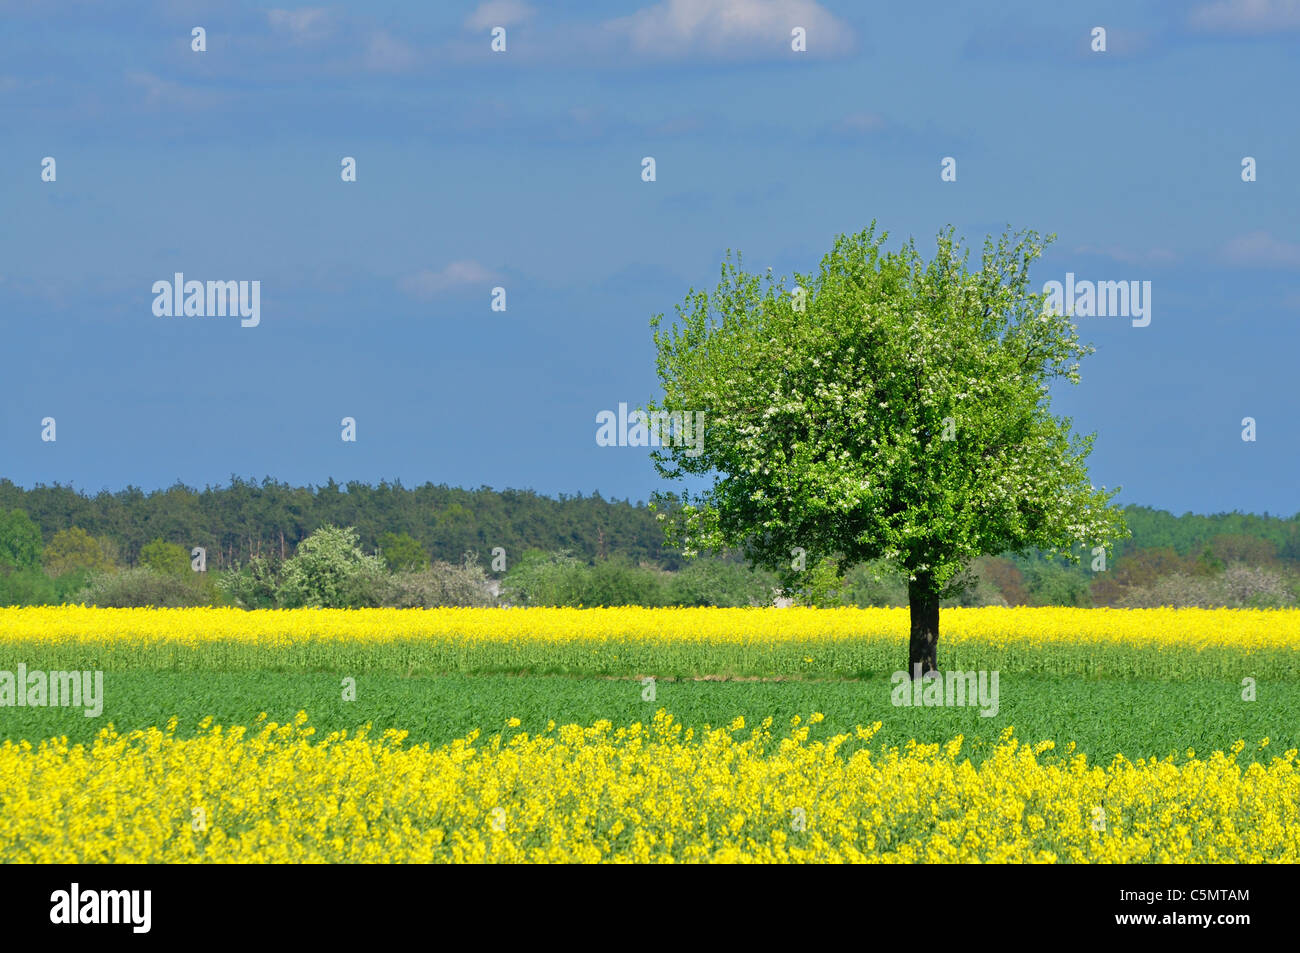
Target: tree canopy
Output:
{"points": [[883, 407]]}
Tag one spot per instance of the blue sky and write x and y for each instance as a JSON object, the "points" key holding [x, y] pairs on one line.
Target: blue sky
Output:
{"points": [[522, 169]]}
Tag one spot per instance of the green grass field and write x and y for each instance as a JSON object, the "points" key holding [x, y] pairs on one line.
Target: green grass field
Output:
{"points": [[1138, 718]]}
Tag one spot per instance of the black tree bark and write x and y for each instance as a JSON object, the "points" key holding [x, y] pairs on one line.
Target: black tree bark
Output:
{"points": [[922, 653]]}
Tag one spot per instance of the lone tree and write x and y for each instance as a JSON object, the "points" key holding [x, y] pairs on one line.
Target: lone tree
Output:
{"points": [[884, 408]]}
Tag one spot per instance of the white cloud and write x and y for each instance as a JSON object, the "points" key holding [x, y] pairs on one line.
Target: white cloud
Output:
{"points": [[1120, 42], [729, 29], [684, 125], [426, 284], [498, 13], [164, 92], [1128, 256], [387, 54], [859, 124], [1263, 250], [1250, 17], [304, 25]]}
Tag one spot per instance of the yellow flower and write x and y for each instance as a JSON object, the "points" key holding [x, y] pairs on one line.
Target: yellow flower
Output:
{"points": [[274, 794]]}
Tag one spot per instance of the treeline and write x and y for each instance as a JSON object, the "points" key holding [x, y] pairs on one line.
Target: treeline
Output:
{"points": [[1191, 533], [438, 545], [246, 519]]}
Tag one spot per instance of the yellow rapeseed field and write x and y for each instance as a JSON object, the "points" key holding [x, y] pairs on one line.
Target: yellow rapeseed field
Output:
{"points": [[1191, 628], [275, 793], [646, 792], [762, 642]]}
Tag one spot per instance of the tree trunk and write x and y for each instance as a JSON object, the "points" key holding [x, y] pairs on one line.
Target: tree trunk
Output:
{"points": [[922, 651]]}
